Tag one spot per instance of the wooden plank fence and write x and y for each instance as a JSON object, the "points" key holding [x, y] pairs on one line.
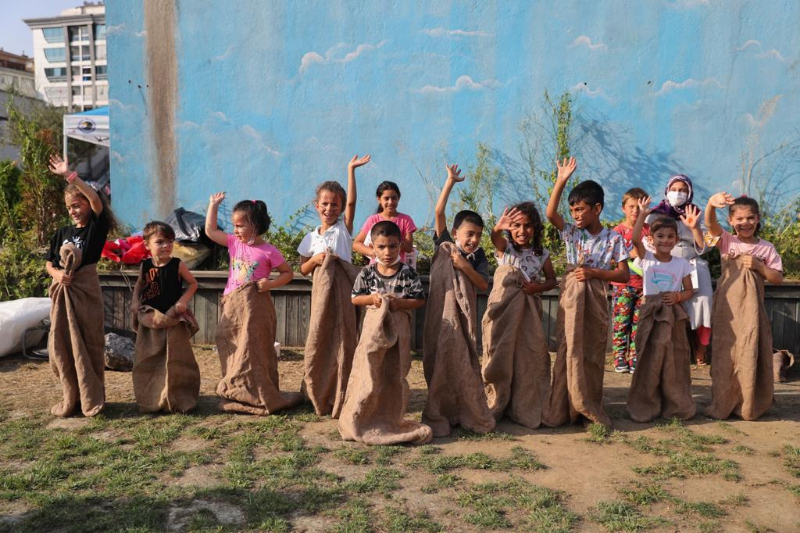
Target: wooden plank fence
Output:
{"points": [[293, 308]]}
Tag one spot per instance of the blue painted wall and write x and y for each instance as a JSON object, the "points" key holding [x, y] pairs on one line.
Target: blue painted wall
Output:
{"points": [[274, 97]]}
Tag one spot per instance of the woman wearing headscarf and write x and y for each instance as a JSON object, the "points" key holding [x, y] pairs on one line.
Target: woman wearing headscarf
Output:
{"points": [[677, 200]]}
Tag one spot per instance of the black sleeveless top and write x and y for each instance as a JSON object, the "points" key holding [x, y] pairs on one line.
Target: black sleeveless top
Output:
{"points": [[162, 286]]}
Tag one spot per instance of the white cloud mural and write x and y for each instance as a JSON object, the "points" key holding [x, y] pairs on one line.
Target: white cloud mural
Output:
{"points": [[335, 55], [585, 40], [462, 83], [442, 32], [670, 85]]}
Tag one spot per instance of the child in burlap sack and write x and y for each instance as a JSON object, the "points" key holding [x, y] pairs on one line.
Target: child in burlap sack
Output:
{"points": [[165, 373], [451, 360], [516, 361], [327, 254], [246, 330], [377, 393], [741, 363], [596, 255], [76, 340], [662, 384]]}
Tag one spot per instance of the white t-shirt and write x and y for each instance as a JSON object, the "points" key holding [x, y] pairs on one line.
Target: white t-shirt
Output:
{"points": [[525, 259], [663, 277], [337, 238]]}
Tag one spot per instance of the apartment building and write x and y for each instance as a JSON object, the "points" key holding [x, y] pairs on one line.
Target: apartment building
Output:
{"points": [[70, 57]]}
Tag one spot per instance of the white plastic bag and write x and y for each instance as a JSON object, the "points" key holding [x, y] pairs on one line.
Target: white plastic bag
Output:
{"points": [[18, 315]]}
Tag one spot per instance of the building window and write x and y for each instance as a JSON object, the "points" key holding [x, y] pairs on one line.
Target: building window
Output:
{"points": [[56, 74], [99, 32], [99, 51], [101, 71], [53, 35], [80, 53], [79, 33], [76, 90], [55, 54]]}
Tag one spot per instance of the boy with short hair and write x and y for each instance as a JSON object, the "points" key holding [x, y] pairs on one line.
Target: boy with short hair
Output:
{"points": [[456, 394], [627, 298], [377, 393], [597, 256]]}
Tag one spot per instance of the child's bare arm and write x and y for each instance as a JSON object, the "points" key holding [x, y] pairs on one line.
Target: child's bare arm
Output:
{"points": [[460, 263], [360, 247], [565, 170], [212, 231], [285, 275], [550, 281], [191, 287], [61, 167], [350, 206], [676, 297], [58, 275], [440, 218], [503, 224], [310, 264], [756, 265], [644, 210], [405, 303], [621, 274], [408, 243], [717, 201], [364, 300]]}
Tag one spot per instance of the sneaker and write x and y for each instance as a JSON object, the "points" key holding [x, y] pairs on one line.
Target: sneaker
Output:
{"points": [[621, 366], [632, 366]]}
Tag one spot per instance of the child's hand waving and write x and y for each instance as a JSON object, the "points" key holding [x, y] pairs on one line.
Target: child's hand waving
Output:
{"points": [[215, 199], [507, 219], [60, 167], [720, 200], [359, 161], [644, 206], [691, 217], [453, 173], [566, 168]]}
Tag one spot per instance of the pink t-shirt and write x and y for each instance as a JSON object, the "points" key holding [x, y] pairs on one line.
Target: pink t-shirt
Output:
{"points": [[250, 263], [403, 222], [729, 244], [627, 236]]}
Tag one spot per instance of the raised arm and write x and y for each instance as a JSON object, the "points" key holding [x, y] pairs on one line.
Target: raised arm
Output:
{"points": [[352, 196], [717, 201], [691, 219], [644, 210], [212, 231], [503, 224], [453, 177], [60, 167], [565, 170]]}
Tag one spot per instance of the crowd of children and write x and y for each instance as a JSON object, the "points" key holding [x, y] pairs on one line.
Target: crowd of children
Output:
{"points": [[661, 290]]}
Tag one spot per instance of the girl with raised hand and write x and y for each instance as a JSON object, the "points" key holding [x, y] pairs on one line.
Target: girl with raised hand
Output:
{"points": [[388, 196]]}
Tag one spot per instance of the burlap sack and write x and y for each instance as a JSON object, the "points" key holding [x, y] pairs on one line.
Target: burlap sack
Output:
{"points": [[76, 339], [576, 388], [165, 373], [246, 344], [377, 393], [741, 363], [662, 384], [451, 361], [516, 363], [332, 336]]}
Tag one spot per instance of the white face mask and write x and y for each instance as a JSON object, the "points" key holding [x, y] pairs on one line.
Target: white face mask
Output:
{"points": [[396, 260], [676, 198]]}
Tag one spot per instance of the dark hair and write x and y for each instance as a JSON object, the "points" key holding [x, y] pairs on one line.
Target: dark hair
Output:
{"points": [[468, 216], [636, 193], [587, 191], [749, 203], [663, 222], [529, 210], [113, 222], [332, 186], [382, 188], [157, 227], [256, 213], [385, 228]]}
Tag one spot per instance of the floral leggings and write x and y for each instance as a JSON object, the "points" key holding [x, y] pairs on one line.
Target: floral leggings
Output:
{"points": [[627, 302]]}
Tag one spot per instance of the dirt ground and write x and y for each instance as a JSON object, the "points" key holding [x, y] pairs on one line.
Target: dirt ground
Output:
{"points": [[587, 472]]}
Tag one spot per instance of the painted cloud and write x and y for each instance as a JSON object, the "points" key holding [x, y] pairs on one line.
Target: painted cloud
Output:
{"points": [[441, 32], [584, 40], [669, 85], [462, 83], [334, 55]]}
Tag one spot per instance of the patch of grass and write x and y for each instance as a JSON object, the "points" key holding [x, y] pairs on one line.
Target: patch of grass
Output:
{"points": [[791, 459], [206, 433], [399, 521], [466, 434], [429, 449], [354, 517], [352, 455], [743, 450], [439, 464], [794, 489], [597, 433], [543, 508], [755, 528], [736, 500], [710, 526], [728, 427], [683, 464], [380, 480], [704, 509], [447, 481], [384, 454], [621, 516], [645, 493]]}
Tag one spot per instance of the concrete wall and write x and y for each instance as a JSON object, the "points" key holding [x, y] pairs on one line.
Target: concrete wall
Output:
{"points": [[266, 99]]}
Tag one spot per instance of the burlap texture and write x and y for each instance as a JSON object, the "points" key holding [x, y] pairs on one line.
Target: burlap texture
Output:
{"points": [[246, 345], [377, 393], [576, 387], [76, 339], [662, 384], [516, 363], [450, 360], [332, 336], [165, 373], [741, 342]]}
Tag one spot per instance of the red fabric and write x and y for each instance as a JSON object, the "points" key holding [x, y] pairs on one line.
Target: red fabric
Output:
{"points": [[130, 251], [704, 335]]}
